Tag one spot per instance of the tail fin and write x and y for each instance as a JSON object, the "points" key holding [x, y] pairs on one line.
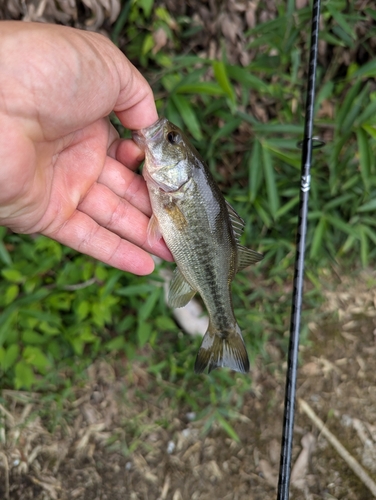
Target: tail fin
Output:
{"points": [[219, 350]]}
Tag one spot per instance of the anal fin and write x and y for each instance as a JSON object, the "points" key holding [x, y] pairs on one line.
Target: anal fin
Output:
{"points": [[180, 292]]}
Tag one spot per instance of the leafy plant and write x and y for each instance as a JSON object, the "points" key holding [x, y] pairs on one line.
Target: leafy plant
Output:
{"points": [[211, 100], [58, 306], [61, 309]]}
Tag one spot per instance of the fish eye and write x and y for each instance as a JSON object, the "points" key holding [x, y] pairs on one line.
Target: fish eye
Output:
{"points": [[173, 138]]}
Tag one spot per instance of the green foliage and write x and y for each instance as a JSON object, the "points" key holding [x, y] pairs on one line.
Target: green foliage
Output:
{"points": [[257, 162], [59, 309]]}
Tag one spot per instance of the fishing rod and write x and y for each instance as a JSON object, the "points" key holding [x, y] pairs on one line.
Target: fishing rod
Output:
{"points": [[308, 144]]}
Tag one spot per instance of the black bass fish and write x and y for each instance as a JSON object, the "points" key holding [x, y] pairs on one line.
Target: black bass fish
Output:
{"points": [[202, 232]]}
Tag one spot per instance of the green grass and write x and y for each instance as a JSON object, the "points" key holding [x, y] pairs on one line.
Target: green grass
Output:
{"points": [[59, 310]]}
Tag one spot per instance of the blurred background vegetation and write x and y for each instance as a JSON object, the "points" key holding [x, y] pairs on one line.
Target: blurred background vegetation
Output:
{"points": [[233, 75]]}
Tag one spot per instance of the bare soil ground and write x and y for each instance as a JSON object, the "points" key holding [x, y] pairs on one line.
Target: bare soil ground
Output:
{"points": [[112, 443]]}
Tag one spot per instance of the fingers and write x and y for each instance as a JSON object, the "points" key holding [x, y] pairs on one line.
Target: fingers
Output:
{"points": [[126, 184], [127, 152], [83, 234], [121, 217]]}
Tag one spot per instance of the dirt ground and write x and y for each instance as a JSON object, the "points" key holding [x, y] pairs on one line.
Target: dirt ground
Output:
{"points": [[86, 456]]}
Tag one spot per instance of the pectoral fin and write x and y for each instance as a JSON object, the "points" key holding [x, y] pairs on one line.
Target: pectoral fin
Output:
{"points": [[180, 292], [246, 257], [153, 232]]}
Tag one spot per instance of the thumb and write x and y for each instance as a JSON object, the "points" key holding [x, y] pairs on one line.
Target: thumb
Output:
{"points": [[135, 106]]}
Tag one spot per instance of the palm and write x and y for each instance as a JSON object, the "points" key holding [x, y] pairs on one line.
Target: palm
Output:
{"points": [[68, 175]]}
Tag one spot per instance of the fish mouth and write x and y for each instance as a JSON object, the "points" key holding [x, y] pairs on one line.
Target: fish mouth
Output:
{"points": [[152, 133]]}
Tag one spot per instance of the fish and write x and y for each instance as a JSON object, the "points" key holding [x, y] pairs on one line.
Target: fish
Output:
{"points": [[202, 231]]}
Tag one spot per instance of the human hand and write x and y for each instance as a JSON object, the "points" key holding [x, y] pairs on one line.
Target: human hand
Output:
{"points": [[64, 172]]}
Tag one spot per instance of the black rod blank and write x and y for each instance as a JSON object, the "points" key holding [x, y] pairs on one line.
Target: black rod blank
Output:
{"points": [[292, 365]]}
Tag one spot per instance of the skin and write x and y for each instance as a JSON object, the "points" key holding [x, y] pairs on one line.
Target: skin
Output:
{"points": [[64, 172]]}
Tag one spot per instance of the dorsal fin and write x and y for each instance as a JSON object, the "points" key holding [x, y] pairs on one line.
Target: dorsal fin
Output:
{"points": [[236, 221], [246, 256]]}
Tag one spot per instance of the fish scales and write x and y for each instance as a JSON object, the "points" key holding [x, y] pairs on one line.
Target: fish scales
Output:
{"points": [[202, 232], [194, 254]]}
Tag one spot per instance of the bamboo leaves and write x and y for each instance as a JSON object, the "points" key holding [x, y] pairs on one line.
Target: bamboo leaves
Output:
{"points": [[222, 106], [270, 182], [222, 78], [263, 178], [365, 162], [188, 115]]}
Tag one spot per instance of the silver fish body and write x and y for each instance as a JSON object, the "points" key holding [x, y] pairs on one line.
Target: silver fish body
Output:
{"points": [[202, 232]]}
